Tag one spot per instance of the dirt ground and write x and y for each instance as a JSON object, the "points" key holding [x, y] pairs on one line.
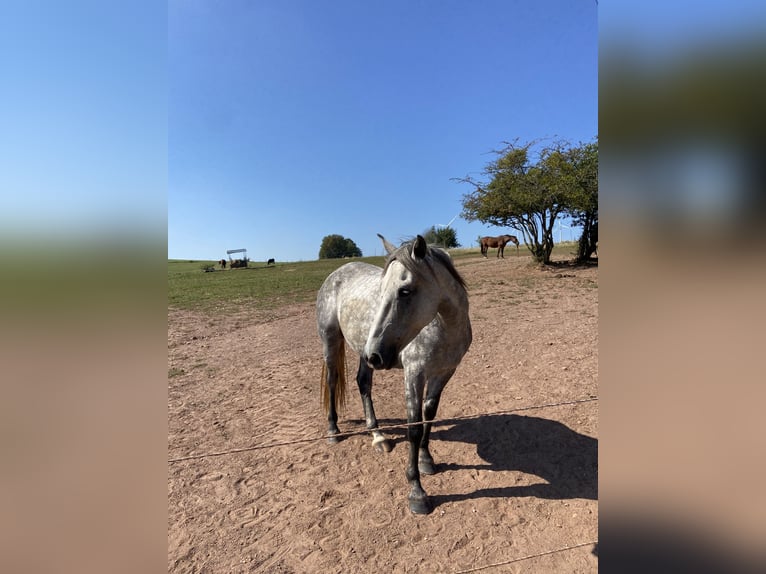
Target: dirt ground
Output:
{"points": [[510, 483]]}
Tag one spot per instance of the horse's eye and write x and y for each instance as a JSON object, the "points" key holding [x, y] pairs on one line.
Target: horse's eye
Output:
{"points": [[404, 292]]}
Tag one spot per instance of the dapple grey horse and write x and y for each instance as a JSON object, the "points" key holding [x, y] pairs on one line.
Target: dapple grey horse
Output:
{"points": [[410, 315]]}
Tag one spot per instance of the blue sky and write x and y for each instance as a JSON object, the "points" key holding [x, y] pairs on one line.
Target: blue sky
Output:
{"points": [[236, 123], [292, 120]]}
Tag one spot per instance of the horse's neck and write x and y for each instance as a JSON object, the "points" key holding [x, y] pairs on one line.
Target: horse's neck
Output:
{"points": [[454, 317], [454, 307]]}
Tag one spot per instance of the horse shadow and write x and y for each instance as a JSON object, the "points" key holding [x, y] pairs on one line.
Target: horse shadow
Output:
{"points": [[565, 459]]}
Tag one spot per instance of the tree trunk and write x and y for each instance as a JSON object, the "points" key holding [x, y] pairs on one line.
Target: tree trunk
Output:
{"points": [[542, 252], [547, 244], [588, 240]]}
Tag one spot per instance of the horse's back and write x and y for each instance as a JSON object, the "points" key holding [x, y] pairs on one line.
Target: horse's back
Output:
{"points": [[346, 302]]}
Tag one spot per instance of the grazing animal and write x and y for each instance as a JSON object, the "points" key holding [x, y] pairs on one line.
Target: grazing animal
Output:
{"points": [[271, 262], [411, 315], [222, 263], [500, 242]]}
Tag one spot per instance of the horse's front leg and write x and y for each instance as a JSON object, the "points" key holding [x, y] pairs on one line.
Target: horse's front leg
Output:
{"points": [[364, 381], [430, 406], [419, 503]]}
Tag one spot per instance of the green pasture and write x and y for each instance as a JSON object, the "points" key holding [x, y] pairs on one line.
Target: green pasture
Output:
{"points": [[259, 285], [266, 287]]}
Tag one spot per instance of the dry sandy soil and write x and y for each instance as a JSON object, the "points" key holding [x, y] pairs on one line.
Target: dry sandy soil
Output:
{"points": [[510, 483]]}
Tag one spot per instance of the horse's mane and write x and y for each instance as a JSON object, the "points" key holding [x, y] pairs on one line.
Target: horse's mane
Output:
{"points": [[403, 254]]}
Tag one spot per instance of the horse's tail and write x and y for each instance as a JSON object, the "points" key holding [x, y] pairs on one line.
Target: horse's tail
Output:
{"points": [[340, 381]]}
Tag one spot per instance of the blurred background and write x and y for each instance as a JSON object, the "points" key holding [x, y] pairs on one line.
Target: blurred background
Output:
{"points": [[681, 92], [83, 174]]}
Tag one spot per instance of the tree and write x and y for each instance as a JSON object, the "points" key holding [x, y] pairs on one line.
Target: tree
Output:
{"points": [[337, 246], [444, 237], [528, 196], [584, 201]]}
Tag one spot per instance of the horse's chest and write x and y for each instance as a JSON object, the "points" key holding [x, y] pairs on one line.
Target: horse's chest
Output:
{"points": [[437, 346]]}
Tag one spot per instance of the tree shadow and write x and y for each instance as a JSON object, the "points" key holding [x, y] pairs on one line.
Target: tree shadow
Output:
{"points": [[571, 264], [565, 459]]}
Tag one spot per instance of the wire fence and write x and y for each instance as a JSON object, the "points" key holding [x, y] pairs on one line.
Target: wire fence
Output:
{"points": [[520, 559], [434, 422]]}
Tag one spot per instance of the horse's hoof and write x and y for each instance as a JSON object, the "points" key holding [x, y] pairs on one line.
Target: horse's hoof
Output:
{"points": [[420, 505], [332, 439], [382, 444]]}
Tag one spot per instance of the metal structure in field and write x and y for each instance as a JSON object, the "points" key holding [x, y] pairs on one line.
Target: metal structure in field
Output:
{"points": [[239, 262]]}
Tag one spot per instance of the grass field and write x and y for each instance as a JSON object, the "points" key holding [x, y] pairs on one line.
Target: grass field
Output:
{"points": [[260, 285], [268, 287]]}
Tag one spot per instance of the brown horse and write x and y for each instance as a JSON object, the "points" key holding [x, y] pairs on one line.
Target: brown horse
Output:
{"points": [[500, 242]]}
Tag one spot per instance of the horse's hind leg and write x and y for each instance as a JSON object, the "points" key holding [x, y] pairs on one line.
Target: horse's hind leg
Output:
{"points": [[334, 381], [364, 380], [331, 375]]}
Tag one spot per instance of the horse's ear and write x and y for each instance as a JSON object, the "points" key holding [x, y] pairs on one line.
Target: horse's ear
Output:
{"points": [[419, 248], [389, 248]]}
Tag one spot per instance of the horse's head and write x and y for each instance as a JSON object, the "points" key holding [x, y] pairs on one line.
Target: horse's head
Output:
{"points": [[409, 300]]}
